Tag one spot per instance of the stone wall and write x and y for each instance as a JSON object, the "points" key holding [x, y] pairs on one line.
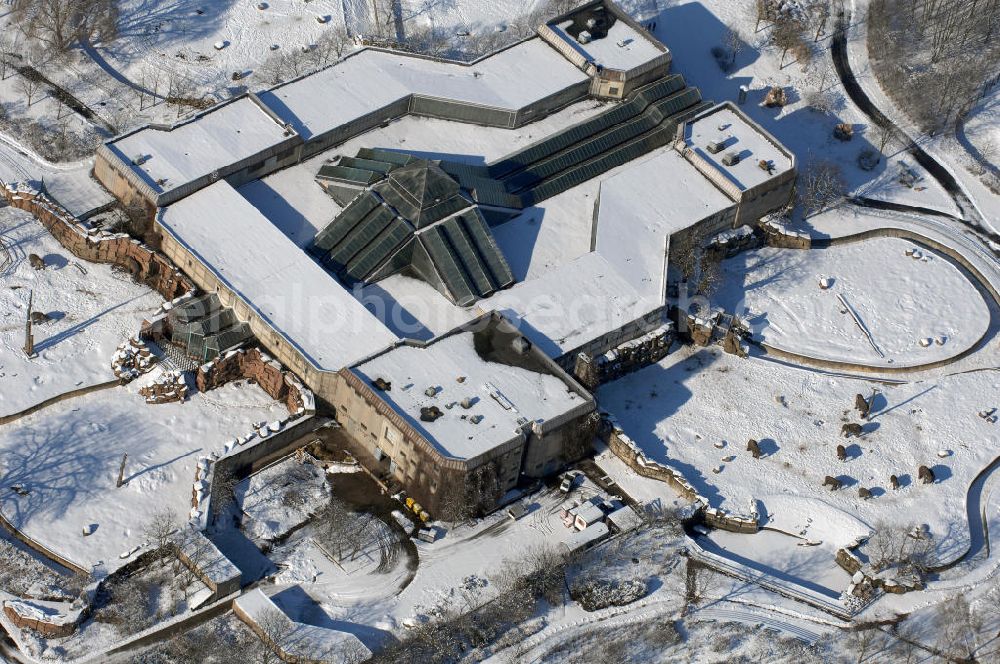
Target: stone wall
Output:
{"points": [[46, 629], [624, 358], [255, 366], [146, 265], [625, 449], [776, 235]]}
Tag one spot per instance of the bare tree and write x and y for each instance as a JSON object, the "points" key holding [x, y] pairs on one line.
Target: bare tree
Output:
{"points": [[159, 531], [344, 531], [224, 483], [763, 12], [734, 45], [273, 629], [28, 85], [332, 45], [197, 549], [864, 641], [883, 133], [8, 51], [954, 631], [899, 548], [787, 36], [120, 118], [822, 184], [61, 24]]}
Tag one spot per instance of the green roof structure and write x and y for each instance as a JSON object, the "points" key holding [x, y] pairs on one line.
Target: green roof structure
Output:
{"points": [[416, 219]]}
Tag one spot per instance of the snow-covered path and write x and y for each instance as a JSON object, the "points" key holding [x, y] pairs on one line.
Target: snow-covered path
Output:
{"points": [[980, 206]]}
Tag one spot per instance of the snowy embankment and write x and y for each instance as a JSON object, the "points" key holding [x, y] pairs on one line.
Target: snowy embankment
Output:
{"points": [[917, 306], [942, 147], [67, 459], [697, 409], [92, 308]]}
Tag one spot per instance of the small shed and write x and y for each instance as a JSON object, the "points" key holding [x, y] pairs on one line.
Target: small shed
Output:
{"points": [[585, 539], [587, 515], [624, 520]]}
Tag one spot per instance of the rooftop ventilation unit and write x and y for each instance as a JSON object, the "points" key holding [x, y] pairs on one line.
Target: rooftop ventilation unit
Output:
{"points": [[731, 159], [431, 391], [584, 37], [382, 384], [430, 413], [466, 403], [716, 147], [476, 419]]}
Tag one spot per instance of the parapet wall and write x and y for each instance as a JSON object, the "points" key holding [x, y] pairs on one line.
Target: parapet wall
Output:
{"points": [[146, 265]]}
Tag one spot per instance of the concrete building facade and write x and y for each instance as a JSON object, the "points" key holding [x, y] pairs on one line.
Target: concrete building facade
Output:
{"points": [[490, 410]]}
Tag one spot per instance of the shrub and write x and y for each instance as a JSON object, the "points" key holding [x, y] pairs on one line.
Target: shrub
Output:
{"points": [[600, 594]]}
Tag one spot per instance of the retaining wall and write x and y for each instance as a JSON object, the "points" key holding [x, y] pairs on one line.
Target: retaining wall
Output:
{"points": [[46, 629], [146, 265], [254, 366], [625, 449], [41, 548], [7, 419]]}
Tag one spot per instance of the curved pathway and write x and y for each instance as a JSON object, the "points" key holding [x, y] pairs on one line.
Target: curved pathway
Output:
{"points": [[940, 233], [857, 94]]}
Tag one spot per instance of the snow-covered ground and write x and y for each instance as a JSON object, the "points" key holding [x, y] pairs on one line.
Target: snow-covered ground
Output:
{"points": [[280, 498], [180, 35], [944, 146], [93, 309], [459, 565], [679, 410], [68, 455], [904, 301], [982, 127]]}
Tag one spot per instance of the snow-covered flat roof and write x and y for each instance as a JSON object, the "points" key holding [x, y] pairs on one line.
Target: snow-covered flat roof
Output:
{"points": [[275, 277], [623, 48], [741, 136], [372, 79], [44, 611], [203, 553], [212, 140], [645, 203], [303, 640], [572, 305], [505, 397]]}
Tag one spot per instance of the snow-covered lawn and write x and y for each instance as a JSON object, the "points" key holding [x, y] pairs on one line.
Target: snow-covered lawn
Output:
{"points": [[68, 456], [905, 301], [281, 497], [178, 35], [93, 309], [679, 410]]}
